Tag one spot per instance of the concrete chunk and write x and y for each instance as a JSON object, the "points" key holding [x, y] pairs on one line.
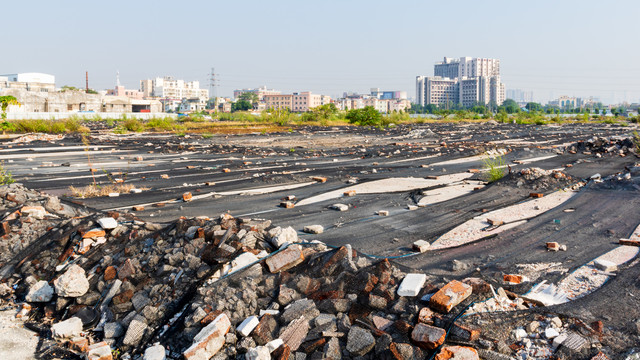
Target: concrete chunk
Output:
{"points": [[606, 265], [246, 327], [209, 340], [40, 292], [99, 351], [68, 328], [73, 283], [421, 246], [156, 352], [313, 229], [412, 284], [457, 353], [108, 223]]}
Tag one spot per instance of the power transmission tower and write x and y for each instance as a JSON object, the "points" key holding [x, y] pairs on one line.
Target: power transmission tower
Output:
{"points": [[214, 82]]}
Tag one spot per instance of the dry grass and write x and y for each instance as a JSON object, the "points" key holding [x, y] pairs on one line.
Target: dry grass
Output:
{"points": [[102, 190]]}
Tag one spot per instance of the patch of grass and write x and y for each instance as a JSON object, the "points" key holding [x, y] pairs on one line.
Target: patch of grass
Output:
{"points": [[102, 190], [207, 136], [134, 125], [636, 141], [5, 176], [494, 167]]}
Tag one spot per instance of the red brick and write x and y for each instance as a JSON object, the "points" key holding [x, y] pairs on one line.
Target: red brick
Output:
{"points": [[110, 273], [629, 242], [478, 285], [536, 195], [458, 353], [126, 270], [514, 279], [285, 259], [187, 197], [450, 295], [349, 193]]}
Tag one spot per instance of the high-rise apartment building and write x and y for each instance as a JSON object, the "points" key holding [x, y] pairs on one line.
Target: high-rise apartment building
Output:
{"points": [[466, 81]]}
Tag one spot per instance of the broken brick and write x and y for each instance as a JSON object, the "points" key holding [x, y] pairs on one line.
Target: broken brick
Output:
{"points": [[110, 273], [349, 193], [629, 242], [478, 285], [126, 270], [425, 316], [457, 352], [266, 329], [93, 233], [553, 246], [514, 279], [319, 179], [209, 340], [450, 295], [427, 336], [536, 195], [285, 259], [138, 208], [186, 197]]}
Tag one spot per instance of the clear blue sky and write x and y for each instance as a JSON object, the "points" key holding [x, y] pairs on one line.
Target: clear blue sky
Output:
{"points": [[552, 48]]}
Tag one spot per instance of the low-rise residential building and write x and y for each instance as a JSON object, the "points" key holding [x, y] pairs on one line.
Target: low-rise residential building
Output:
{"points": [[278, 101], [296, 102], [120, 90], [37, 82], [171, 91], [261, 92], [193, 105]]}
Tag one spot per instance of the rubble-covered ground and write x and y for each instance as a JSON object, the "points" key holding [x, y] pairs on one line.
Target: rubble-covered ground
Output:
{"points": [[325, 243]]}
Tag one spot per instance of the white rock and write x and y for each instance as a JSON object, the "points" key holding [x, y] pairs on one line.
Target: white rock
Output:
{"points": [[135, 191], [556, 322], [421, 246], [340, 207], [550, 333], [519, 334], [108, 223], [40, 292], [270, 312], [241, 261], [155, 352], [606, 265], [412, 207], [68, 328], [73, 283], [558, 340], [280, 236], [246, 327], [114, 194], [412, 284], [382, 213], [274, 344], [313, 229], [258, 353]]}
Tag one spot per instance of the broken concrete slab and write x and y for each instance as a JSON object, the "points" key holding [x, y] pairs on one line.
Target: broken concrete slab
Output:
{"points": [[67, 328], [73, 283], [209, 340], [412, 284], [40, 292]]}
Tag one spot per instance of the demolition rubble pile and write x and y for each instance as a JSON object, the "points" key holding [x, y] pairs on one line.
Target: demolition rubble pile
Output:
{"points": [[601, 145], [226, 288]]}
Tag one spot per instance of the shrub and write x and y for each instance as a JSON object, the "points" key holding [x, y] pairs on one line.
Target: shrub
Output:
{"points": [[5, 176], [494, 167], [368, 116], [132, 125]]}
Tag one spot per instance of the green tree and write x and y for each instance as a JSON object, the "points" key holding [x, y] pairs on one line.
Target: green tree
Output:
{"points": [[534, 106], [251, 97], [510, 106], [368, 116], [5, 101], [241, 105]]}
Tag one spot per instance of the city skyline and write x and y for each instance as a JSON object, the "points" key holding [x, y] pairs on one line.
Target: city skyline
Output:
{"points": [[579, 49]]}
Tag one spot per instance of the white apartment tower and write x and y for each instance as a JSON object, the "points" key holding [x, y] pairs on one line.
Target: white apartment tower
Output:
{"points": [[466, 81]]}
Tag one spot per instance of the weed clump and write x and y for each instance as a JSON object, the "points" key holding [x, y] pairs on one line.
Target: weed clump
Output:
{"points": [[494, 167]]}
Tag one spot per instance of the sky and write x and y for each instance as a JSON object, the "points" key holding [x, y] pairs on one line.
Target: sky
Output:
{"points": [[551, 48]]}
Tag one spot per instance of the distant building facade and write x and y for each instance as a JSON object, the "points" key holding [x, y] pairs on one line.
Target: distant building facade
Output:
{"points": [[296, 102], [171, 91], [261, 92], [29, 81], [382, 101], [466, 81]]}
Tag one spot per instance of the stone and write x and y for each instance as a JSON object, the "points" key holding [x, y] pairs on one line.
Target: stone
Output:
{"points": [[135, 332], [99, 351], [67, 329], [304, 307], [553, 246], [519, 334], [533, 326], [449, 296], [425, 316], [279, 236], [349, 193], [246, 327], [139, 301], [556, 322], [412, 284], [382, 213], [332, 350], [421, 246], [274, 344], [110, 273], [427, 336], [360, 341], [155, 352], [186, 197], [108, 223], [39, 292], [113, 330], [340, 207], [36, 212], [478, 285], [126, 270], [550, 333], [313, 229], [294, 334], [73, 283], [285, 259], [79, 344], [209, 340], [457, 353], [265, 331], [404, 351], [258, 353], [605, 265]]}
